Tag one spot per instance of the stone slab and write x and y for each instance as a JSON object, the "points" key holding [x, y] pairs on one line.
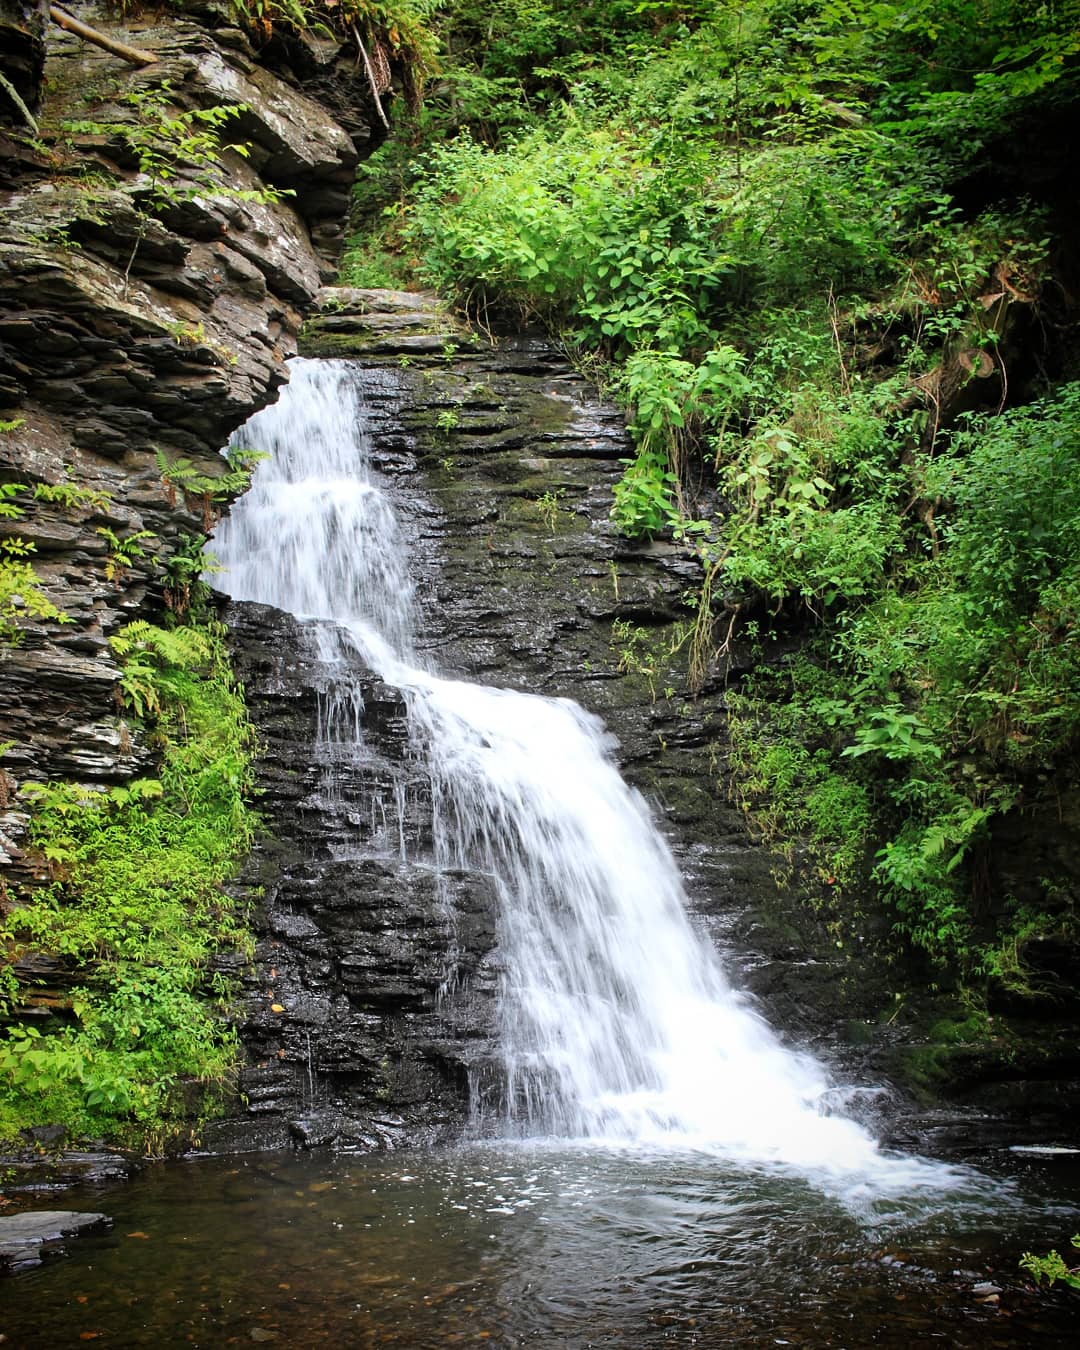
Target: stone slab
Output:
{"points": [[25, 1239]]}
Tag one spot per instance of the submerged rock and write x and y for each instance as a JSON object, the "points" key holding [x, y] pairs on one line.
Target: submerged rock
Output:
{"points": [[27, 1239]]}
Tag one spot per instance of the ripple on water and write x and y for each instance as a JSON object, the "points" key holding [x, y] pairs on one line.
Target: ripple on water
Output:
{"points": [[531, 1245]]}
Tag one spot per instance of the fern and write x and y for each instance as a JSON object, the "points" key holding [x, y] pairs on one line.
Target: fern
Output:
{"points": [[203, 491], [123, 552], [20, 589], [170, 647], [71, 495]]}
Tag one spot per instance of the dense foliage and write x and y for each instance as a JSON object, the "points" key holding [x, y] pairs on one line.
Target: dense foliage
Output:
{"points": [[381, 31], [133, 903], [811, 244]]}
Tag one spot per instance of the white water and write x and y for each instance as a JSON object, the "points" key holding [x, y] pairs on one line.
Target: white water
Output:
{"points": [[618, 1023]]}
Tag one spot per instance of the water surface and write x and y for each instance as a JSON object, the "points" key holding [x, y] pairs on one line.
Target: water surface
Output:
{"points": [[533, 1245]]}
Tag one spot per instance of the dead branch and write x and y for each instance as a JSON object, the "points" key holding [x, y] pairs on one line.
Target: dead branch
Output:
{"points": [[371, 79], [132, 55], [13, 94], [834, 320]]}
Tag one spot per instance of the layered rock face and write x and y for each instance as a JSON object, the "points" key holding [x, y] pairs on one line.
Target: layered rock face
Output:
{"points": [[373, 990], [151, 290]]}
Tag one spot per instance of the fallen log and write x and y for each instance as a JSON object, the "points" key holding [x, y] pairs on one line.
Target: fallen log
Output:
{"points": [[70, 24]]}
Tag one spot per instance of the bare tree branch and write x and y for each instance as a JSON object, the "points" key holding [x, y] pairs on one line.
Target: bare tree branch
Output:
{"points": [[132, 55], [13, 94]]}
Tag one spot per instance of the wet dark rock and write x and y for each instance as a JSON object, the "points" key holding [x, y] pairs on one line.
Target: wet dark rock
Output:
{"points": [[42, 1169], [373, 981], [27, 1239]]}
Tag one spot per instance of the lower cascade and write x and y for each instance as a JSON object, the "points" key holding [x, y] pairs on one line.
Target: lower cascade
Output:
{"points": [[617, 1023]]}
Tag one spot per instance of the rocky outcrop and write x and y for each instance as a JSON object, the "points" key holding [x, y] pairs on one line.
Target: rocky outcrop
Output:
{"points": [[151, 290], [372, 993], [27, 1239]]}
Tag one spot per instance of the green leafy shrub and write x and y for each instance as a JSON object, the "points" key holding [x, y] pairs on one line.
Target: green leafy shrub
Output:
{"points": [[784, 773], [1052, 1267], [21, 596], [984, 635], [136, 905], [756, 219]]}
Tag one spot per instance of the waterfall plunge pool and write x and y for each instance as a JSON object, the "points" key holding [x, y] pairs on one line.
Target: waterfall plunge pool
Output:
{"points": [[538, 1244]]}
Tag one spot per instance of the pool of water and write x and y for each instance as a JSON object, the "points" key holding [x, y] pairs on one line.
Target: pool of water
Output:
{"points": [[542, 1245]]}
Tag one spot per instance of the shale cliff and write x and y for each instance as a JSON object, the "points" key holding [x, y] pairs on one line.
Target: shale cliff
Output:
{"points": [[151, 289], [163, 229]]}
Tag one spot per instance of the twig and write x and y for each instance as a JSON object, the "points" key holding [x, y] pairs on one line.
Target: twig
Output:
{"points": [[1004, 380], [845, 382], [725, 647], [704, 626]]}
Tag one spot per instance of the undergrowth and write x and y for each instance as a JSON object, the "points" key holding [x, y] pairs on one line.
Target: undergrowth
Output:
{"points": [[930, 710], [131, 898], [758, 220]]}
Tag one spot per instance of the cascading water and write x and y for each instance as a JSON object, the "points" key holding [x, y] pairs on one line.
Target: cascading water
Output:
{"points": [[617, 1021]]}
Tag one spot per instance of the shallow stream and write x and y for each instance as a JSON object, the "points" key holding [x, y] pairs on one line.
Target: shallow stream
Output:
{"points": [[538, 1245]]}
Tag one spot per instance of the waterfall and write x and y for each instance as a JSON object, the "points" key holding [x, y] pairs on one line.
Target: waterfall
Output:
{"points": [[617, 1022]]}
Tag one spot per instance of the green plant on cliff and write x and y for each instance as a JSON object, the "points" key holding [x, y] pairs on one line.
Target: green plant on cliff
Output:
{"points": [[21, 596], [950, 691], [178, 153], [380, 31], [183, 587], [123, 552], [207, 493], [783, 771], [72, 496], [1052, 1267], [133, 906]]}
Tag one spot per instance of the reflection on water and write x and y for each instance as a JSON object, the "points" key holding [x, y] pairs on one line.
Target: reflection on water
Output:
{"points": [[530, 1246]]}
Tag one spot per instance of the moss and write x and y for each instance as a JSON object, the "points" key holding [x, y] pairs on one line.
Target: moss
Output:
{"points": [[316, 341], [961, 1029], [960, 1049], [858, 1032]]}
